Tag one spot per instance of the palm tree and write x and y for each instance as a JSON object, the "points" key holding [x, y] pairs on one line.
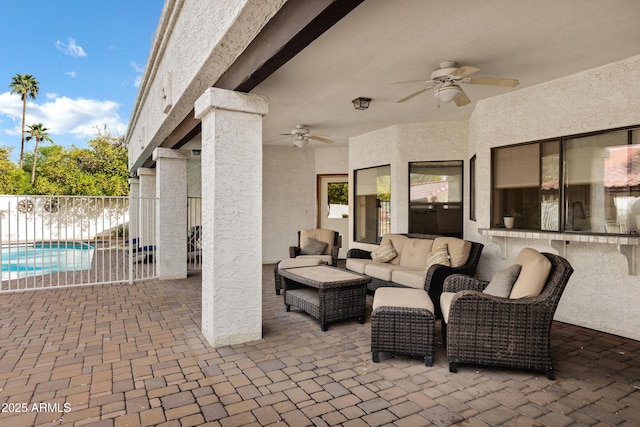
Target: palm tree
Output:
{"points": [[39, 132], [25, 85]]}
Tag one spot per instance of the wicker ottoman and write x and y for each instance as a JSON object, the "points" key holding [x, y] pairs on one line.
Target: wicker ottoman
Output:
{"points": [[292, 263], [402, 322]]}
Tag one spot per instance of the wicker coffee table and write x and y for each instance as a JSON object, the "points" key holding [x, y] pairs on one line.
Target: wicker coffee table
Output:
{"points": [[327, 293]]}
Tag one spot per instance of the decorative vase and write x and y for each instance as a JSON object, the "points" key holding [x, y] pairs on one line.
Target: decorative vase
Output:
{"points": [[508, 221]]}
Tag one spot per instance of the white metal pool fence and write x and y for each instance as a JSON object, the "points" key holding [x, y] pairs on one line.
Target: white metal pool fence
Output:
{"points": [[57, 241]]}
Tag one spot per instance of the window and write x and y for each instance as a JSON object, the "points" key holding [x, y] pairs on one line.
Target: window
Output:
{"points": [[372, 213], [472, 188], [435, 198], [597, 189]]}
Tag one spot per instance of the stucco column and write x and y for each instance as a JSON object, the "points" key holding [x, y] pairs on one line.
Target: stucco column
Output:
{"points": [[146, 220], [134, 196], [231, 215], [171, 213]]}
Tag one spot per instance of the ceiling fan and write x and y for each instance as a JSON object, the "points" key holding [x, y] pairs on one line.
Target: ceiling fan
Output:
{"points": [[301, 136], [447, 79]]}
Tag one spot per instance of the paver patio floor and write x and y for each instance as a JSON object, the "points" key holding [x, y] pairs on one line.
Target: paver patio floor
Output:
{"points": [[129, 355]]}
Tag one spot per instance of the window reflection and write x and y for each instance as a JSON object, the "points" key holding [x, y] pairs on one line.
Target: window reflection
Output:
{"points": [[372, 210]]}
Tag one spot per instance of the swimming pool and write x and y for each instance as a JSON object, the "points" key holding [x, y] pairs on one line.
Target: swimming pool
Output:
{"points": [[33, 259]]}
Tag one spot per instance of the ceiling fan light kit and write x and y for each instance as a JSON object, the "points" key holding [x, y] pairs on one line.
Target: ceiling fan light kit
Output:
{"points": [[448, 78]]}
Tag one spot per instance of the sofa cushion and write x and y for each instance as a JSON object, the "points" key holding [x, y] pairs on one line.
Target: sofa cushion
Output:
{"points": [[459, 249], [299, 262], [381, 270], [406, 298], [320, 234], [313, 247], [409, 278], [384, 253], [439, 255], [397, 240], [533, 275], [357, 264], [415, 252], [445, 304], [502, 282]]}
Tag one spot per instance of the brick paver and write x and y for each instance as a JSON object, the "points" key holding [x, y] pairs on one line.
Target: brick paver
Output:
{"points": [[121, 355]]}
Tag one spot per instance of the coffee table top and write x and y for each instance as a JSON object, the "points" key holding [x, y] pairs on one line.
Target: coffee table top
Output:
{"points": [[323, 276]]}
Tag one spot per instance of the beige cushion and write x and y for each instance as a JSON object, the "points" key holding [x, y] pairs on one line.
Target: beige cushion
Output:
{"points": [[320, 234], [326, 259], [533, 275], [438, 256], [397, 240], [445, 304], [411, 278], [502, 282], [313, 247], [357, 264], [400, 297], [415, 252], [459, 249], [381, 271], [298, 262], [384, 253]]}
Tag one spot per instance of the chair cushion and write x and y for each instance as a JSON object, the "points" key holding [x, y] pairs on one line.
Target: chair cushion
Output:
{"points": [[357, 264], [397, 240], [533, 275], [320, 234], [313, 247], [415, 252], [410, 278], [384, 253], [439, 255], [326, 259], [459, 249], [445, 304], [502, 282], [400, 297], [298, 262]]}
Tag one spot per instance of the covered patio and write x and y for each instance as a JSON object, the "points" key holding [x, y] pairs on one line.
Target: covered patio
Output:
{"points": [[129, 355]]}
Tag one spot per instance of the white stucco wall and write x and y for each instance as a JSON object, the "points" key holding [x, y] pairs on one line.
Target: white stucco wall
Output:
{"points": [[195, 43], [397, 146], [601, 294]]}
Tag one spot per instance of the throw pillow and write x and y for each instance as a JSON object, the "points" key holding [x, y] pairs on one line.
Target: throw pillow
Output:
{"points": [[384, 253], [313, 247], [533, 276], [502, 282], [439, 255]]}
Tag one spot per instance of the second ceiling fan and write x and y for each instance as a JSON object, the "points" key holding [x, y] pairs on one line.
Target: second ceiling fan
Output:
{"points": [[447, 79]]}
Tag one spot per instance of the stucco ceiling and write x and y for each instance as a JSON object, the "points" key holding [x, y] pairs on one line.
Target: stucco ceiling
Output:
{"points": [[383, 41]]}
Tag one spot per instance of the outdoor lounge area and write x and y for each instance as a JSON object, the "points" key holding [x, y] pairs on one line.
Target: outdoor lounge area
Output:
{"points": [[128, 355]]}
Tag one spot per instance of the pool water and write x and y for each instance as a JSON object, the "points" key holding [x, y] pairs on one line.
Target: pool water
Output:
{"points": [[22, 260]]}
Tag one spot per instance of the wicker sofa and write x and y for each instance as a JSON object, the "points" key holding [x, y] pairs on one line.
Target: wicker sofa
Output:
{"points": [[408, 268]]}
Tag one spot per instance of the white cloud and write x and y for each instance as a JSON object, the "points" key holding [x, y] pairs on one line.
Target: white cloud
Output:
{"points": [[63, 116], [72, 74], [139, 69], [71, 48]]}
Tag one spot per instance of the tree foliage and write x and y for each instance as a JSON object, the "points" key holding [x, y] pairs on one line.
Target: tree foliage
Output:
{"points": [[26, 86], [99, 170]]}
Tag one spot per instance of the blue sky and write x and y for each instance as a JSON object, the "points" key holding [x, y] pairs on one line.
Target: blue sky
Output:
{"points": [[88, 58]]}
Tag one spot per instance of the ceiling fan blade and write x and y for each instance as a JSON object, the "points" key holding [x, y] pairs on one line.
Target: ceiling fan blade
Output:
{"points": [[465, 71], [321, 139], [411, 81], [408, 97], [287, 136], [493, 81], [462, 99]]}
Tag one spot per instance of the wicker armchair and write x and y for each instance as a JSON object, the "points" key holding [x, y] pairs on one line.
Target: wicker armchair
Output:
{"points": [[330, 237], [516, 333]]}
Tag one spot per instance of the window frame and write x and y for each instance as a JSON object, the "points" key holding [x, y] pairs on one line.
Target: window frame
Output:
{"points": [[562, 184], [356, 208]]}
